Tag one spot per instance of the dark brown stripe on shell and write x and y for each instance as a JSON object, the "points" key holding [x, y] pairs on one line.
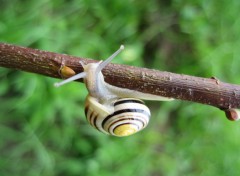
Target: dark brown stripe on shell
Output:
{"points": [[123, 111], [128, 101], [95, 122], [86, 110]]}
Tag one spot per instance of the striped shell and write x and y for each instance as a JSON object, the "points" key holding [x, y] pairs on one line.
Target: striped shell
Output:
{"points": [[130, 116]]}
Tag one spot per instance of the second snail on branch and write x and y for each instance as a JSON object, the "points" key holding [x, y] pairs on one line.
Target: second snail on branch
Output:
{"points": [[110, 109]]}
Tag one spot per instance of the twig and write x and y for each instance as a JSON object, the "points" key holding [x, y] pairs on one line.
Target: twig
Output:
{"points": [[210, 91]]}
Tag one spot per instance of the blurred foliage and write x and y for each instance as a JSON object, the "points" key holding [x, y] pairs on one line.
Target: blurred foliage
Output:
{"points": [[43, 130]]}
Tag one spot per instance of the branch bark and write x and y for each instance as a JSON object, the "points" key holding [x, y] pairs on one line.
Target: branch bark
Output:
{"points": [[210, 91]]}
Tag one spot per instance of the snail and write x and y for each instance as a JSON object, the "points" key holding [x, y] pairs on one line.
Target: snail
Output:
{"points": [[110, 109]]}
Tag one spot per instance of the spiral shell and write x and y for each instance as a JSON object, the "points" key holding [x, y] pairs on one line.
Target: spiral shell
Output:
{"points": [[129, 116]]}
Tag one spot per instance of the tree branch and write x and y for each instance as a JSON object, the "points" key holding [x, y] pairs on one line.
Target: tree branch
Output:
{"points": [[210, 91]]}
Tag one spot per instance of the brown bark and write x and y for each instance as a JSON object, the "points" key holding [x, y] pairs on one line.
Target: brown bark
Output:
{"points": [[210, 91]]}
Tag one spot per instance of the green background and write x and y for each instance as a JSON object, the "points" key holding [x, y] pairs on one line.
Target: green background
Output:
{"points": [[43, 130]]}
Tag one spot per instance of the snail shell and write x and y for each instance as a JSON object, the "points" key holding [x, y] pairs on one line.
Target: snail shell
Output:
{"points": [[130, 115]]}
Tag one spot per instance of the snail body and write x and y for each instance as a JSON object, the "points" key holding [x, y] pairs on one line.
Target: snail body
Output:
{"points": [[110, 109]]}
